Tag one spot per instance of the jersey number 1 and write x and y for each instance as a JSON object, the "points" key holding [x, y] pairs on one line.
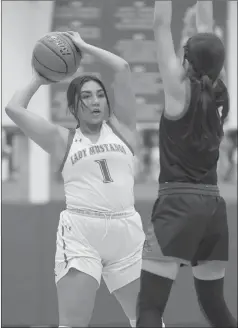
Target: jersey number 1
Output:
{"points": [[105, 171]]}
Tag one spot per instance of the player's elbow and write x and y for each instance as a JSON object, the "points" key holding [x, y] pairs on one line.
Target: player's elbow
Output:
{"points": [[9, 109], [124, 66], [12, 111]]}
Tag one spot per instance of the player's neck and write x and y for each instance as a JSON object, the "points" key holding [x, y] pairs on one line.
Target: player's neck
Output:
{"points": [[90, 129]]}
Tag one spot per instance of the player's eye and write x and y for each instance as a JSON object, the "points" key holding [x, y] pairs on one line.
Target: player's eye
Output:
{"points": [[85, 96], [101, 95]]}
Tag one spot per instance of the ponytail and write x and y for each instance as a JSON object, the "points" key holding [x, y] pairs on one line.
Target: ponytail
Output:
{"points": [[205, 54], [210, 118], [207, 94], [222, 99], [206, 125]]}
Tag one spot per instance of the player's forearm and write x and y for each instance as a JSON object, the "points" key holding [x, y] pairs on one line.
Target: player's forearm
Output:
{"points": [[162, 13], [115, 62], [17, 110], [22, 97], [204, 16]]}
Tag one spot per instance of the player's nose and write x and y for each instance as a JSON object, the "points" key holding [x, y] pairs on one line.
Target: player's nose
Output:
{"points": [[95, 101]]}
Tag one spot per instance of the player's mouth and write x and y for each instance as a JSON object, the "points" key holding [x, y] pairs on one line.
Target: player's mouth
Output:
{"points": [[96, 111]]}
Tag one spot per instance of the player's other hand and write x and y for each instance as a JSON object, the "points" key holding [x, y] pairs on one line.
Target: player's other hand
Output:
{"points": [[76, 38]]}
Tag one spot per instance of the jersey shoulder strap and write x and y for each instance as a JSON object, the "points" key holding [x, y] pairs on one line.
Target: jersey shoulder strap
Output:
{"points": [[69, 143], [119, 135]]}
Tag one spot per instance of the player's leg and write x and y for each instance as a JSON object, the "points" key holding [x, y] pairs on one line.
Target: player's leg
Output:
{"points": [[77, 271], [123, 266], [209, 284], [122, 272], [209, 274], [127, 296], [172, 239], [76, 296], [156, 281]]}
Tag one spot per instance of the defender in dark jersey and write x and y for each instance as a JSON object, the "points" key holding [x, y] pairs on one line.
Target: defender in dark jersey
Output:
{"points": [[189, 220]]}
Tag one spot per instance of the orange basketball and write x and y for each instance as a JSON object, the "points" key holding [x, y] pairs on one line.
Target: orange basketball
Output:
{"points": [[55, 57]]}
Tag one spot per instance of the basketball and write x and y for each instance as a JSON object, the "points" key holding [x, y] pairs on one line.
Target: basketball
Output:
{"points": [[55, 57]]}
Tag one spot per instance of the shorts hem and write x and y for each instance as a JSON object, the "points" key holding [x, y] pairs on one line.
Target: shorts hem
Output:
{"points": [[167, 259], [130, 274], [182, 261], [74, 264]]}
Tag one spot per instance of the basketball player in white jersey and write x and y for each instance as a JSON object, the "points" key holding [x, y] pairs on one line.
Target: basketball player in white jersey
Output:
{"points": [[99, 233]]}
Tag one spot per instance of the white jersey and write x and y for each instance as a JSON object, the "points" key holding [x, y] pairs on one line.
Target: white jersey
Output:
{"points": [[99, 176]]}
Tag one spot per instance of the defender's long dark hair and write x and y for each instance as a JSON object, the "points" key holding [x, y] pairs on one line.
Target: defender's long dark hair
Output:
{"points": [[206, 54], [74, 94]]}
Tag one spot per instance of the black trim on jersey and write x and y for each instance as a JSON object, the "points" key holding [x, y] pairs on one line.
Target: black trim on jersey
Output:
{"points": [[70, 141], [118, 134], [188, 96]]}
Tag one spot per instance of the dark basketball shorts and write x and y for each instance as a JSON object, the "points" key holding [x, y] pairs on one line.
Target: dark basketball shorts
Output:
{"points": [[189, 223]]}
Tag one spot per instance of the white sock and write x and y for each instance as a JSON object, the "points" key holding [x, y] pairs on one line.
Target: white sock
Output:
{"points": [[163, 325]]}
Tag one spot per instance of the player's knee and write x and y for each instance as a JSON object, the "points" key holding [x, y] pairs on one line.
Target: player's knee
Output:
{"points": [[161, 268], [209, 270]]}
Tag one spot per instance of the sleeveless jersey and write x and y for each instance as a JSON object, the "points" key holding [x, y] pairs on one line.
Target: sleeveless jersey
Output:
{"points": [[99, 176], [180, 161]]}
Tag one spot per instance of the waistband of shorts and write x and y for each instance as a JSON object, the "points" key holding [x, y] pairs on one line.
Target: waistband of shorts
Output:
{"points": [[170, 188], [101, 214]]}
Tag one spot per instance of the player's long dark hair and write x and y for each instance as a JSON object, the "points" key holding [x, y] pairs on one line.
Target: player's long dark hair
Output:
{"points": [[206, 55], [74, 94]]}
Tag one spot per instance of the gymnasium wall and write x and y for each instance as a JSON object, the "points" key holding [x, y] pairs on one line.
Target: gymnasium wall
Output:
{"points": [[23, 23]]}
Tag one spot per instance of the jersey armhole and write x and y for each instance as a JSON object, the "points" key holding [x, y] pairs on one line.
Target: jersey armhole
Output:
{"points": [[69, 143], [188, 95], [118, 134]]}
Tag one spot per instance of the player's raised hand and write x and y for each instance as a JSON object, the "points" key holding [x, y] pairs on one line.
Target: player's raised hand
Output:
{"points": [[76, 38]]}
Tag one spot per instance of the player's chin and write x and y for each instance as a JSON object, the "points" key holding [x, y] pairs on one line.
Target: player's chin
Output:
{"points": [[96, 119]]}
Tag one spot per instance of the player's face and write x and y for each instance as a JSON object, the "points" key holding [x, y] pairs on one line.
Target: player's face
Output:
{"points": [[95, 103]]}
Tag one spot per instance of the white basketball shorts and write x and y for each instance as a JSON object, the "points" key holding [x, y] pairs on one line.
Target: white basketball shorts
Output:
{"points": [[99, 244]]}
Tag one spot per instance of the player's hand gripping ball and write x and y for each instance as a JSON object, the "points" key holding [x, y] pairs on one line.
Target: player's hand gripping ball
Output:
{"points": [[55, 57]]}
